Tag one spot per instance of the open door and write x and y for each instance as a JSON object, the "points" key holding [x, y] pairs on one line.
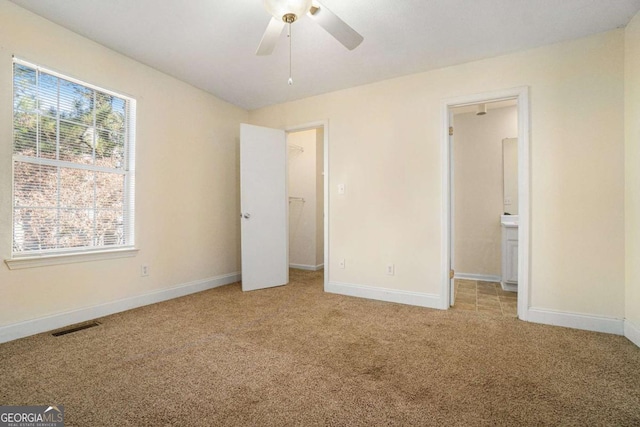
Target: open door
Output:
{"points": [[264, 207]]}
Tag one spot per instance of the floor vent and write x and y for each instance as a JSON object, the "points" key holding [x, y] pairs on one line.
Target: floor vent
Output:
{"points": [[75, 329]]}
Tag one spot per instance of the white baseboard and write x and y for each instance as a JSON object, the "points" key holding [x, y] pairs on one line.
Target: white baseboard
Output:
{"points": [[56, 321], [509, 287], [479, 277], [383, 294], [307, 267], [587, 322], [632, 332]]}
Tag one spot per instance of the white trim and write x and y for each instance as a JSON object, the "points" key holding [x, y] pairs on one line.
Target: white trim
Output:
{"points": [[65, 76], [509, 287], [55, 321], [632, 332], [324, 124], [61, 258], [446, 228], [307, 267], [524, 202], [452, 213], [69, 165], [325, 188], [306, 126], [588, 322], [478, 277], [521, 94], [384, 294]]}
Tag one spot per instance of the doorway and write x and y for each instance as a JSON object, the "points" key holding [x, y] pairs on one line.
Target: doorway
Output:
{"points": [[264, 204], [519, 96], [306, 198], [321, 173], [479, 204]]}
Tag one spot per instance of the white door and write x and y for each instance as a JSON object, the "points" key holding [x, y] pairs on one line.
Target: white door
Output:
{"points": [[264, 207]]}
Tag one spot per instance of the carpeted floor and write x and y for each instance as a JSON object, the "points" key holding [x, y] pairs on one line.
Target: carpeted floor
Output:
{"points": [[294, 355]]}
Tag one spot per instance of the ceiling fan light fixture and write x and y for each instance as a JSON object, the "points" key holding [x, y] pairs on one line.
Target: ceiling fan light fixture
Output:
{"points": [[287, 10]]}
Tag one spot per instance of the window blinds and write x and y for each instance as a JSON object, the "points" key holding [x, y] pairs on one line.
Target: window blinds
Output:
{"points": [[73, 165]]}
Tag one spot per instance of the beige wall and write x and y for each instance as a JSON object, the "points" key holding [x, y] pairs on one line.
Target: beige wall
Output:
{"points": [[632, 168], [302, 183], [187, 177], [478, 188], [385, 146]]}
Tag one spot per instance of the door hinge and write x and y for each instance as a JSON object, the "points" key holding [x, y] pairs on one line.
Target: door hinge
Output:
{"points": [[451, 273], [450, 130]]}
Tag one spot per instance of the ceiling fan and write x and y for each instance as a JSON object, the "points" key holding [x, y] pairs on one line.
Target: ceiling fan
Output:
{"points": [[288, 11]]}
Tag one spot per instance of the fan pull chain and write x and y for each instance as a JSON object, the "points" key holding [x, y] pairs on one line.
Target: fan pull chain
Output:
{"points": [[289, 36]]}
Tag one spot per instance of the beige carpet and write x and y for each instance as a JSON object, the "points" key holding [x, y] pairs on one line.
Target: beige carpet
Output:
{"points": [[297, 356]]}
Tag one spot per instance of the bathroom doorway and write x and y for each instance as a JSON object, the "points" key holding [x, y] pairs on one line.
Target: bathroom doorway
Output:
{"points": [[483, 134], [484, 218]]}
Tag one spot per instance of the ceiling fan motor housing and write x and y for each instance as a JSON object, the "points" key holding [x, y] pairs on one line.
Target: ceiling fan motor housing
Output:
{"points": [[287, 10]]}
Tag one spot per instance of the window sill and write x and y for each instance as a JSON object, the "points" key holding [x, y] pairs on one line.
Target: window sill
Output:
{"points": [[45, 260]]}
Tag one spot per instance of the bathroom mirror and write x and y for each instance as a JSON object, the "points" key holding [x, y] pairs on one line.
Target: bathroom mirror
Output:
{"points": [[510, 175]]}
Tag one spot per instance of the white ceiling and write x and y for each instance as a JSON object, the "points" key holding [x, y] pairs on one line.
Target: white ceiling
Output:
{"points": [[211, 43]]}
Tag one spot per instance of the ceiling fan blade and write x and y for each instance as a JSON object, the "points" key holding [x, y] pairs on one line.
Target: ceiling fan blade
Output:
{"points": [[335, 26], [270, 37]]}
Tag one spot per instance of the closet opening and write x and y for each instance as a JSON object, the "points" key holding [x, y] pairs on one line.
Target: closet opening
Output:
{"points": [[306, 183]]}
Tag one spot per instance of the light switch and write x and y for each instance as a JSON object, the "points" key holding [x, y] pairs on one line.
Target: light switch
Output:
{"points": [[340, 188]]}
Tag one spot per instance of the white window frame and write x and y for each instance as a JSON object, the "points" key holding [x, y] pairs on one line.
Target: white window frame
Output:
{"points": [[56, 256]]}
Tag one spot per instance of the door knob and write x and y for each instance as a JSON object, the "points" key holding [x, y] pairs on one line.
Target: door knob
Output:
{"points": [[247, 216]]}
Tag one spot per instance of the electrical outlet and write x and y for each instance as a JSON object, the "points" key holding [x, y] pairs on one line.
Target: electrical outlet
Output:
{"points": [[391, 269], [341, 263], [144, 270]]}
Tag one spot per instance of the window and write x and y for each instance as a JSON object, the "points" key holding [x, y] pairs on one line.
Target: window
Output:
{"points": [[73, 170]]}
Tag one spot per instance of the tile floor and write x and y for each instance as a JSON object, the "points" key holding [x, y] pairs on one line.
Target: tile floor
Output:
{"points": [[485, 297]]}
